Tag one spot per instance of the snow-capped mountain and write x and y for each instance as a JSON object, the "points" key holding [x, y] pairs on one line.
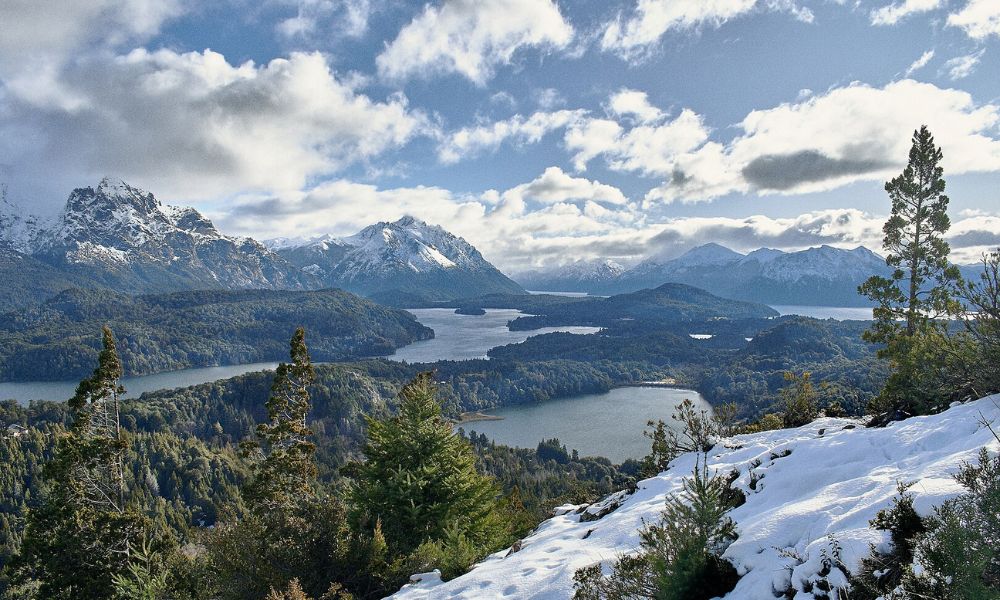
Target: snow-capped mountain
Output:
{"points": [[572, 277], [406, 257], [817, 276], [17, 232], [810, 494], [122, 236]]}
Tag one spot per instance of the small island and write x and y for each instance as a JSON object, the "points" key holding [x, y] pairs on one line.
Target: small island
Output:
{"points": [[470, 417], [470, 310]]}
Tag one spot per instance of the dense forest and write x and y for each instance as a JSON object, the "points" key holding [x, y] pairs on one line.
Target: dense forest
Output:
{"points": [[56, 341]]}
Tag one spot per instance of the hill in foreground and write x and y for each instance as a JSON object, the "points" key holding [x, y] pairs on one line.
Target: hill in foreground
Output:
{"points": [[814, 486]]}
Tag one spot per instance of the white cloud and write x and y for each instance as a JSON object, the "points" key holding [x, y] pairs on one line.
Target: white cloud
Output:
{"points": [[471, 38], [470, 141], [325, 17], [894, 13], [849, 134], [554, 186], [650, 147], [979, 19], [920, 63], [195, 125], [634, 36], [40, 36], [636, 103], [961, 67]]}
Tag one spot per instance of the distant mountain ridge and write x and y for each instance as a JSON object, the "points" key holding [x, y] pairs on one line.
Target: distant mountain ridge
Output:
{"points": [[816, 276]]}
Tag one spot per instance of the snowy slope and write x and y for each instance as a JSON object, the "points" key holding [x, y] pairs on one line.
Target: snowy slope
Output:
{"points": [[838, 475], [580, 275]]}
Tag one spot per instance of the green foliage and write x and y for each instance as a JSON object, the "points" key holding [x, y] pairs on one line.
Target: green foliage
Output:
{"points": [[982, 326], [419, 478], [882, 571], [695, 431], [960, 554], [83, 534], [680, 554], [309, 541], [799, 400], [287, 473], [920, 289], [145, 578]]}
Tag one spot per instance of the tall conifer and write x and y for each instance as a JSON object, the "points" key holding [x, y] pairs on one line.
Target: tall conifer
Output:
{"points": [[287, 471]]}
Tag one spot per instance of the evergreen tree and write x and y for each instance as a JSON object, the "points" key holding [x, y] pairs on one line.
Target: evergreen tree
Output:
{"points": [[287, 471], [799, 399], [82, 537], [911, 301], [419, 482]]}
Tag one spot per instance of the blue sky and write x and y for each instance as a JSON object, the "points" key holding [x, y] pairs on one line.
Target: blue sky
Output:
{"points": [[544, 132]]}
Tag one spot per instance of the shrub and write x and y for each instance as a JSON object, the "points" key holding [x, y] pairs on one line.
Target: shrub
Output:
{"points": [[680, 556]]}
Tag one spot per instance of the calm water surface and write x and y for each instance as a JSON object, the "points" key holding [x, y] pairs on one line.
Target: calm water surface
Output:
{"points": [[464, 337], [840, 313], [136, 386], [608, 424]]}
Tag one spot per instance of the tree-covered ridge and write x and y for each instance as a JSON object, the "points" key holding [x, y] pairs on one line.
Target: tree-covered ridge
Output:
{"points": [[164, 332]]}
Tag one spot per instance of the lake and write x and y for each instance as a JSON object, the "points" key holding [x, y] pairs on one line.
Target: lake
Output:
{"points": [[840, 313], [136, 386], [609, 424], [457, 337], [464, 337]]}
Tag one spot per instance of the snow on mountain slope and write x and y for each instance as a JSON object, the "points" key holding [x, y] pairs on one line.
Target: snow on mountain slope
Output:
{"points": [[17, 232], [406, 256], [574, 276], [120, 235], [837, 476]]}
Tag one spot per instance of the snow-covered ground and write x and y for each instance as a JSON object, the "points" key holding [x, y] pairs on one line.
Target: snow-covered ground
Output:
{"points": [[837, 476]]}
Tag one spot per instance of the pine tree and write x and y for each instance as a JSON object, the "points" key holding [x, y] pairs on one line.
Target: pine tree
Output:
{"points": [[83, 534], [287, 472], [911, 301], [419, 482]]}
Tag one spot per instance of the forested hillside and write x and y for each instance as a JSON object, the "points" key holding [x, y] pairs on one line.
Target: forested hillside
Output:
{"points": [[57, 341]]}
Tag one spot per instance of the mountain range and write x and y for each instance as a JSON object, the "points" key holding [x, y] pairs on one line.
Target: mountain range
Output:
{"points": [[819, 276], [120, 237]]}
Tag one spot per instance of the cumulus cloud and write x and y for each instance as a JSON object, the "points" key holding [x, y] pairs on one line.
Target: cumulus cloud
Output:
{"points": [[555, 186], [979, 19], [472, 38], [853, 133], [894, 13], [634, 36], [961, 67], [920, 63], [469, 141], [194, 125], [651, 146]]}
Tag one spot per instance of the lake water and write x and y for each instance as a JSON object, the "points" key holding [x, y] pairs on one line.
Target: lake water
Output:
{"points": [[840, 313], [608, 424], [464, 337], [457, 337], [135, 386]]}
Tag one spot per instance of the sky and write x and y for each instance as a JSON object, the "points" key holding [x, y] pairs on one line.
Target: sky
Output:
{"points": [[544, 132]]}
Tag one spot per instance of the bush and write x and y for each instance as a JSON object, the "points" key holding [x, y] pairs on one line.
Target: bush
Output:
{"points": [[959, 557], [883, 570], [680, 555], [699, 432]]}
